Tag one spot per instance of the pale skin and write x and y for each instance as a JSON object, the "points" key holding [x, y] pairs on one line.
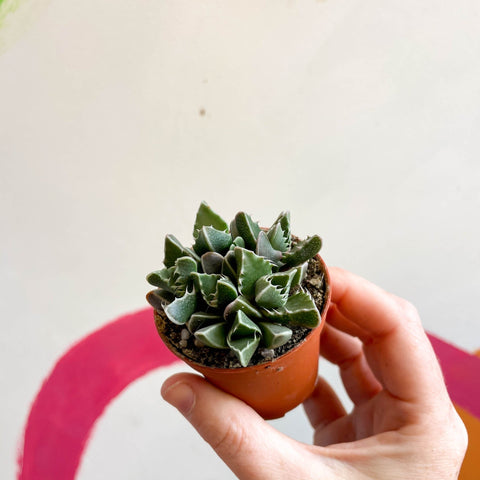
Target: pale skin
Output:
{"points": [[403, 424]]}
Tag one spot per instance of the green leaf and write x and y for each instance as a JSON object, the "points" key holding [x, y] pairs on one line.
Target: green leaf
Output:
{"points": [[180, 310], [202, 319], [160, 278], [243, 338], [173, 250], [250, 268], [279, 233], [212, 262], [229, 267], [268, 295], [158, 298], [210, 239], [207, 285], [273, 335], [206, 217], [184, 266], [299, 310], [226, 293], [213, 336], [243, 226], [243, 305], [303, 251], [237, 242], [264, 249], [300, 274]]}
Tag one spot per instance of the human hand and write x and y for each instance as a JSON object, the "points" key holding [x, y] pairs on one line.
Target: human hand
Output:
{"points": [[403, 424]]}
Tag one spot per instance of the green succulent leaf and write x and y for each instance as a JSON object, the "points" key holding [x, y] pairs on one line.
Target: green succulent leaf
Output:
{"points": [[226, 293], [210, 239], [243, 338], [299, 310], [250, 268], [206, 217], [243, 226], [264, 249], [238, 242], [160, 278], [180, 310], [207, 285], [229, 267], [303, 251], [184, 266], [243, 305], [214, 336], [158, 298], [273, 335], [300, 274], [271, 291], [173, 250], [212, 262], [202, 319], [279, 233]]}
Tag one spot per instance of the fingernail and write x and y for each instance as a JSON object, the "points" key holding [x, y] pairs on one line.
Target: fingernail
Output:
{"points": [[181, 396]]}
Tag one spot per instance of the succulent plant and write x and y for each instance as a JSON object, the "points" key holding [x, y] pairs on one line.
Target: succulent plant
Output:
{"points": [[239, 286]]}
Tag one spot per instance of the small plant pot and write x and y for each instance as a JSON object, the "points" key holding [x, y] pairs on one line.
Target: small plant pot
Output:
{"points": [[274, 387]]}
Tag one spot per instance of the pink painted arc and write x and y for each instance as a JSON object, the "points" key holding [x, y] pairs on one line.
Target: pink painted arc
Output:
{"points": [[82, 383], [95, 370]]}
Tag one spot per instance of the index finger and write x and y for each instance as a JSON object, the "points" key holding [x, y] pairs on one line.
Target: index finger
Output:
{"points": [[395, 344]]}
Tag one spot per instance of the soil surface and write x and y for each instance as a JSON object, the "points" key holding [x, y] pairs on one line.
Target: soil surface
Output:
{"points": [[179, 339]]}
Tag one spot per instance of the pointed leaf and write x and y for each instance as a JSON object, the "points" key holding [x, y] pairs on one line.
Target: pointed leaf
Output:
{"points": [[268, 295], [299, 310], [210, 239], [212, 262], [250, 268], [184, 266], [242, 326], [180, 310], [158, 298], [160, 278], [206, 217], [202, 319], [303, 251], [213, 336], [243, 338], [265, 249], [245, 227], [173, 250], [243, 305], [225, 294], [273, 335], [279, 233], [300, 274], [229, 267], [276, 238], [207, 285]]}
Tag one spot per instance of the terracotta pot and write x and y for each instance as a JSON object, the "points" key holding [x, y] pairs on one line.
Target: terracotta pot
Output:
{"points": [[277, 386]]}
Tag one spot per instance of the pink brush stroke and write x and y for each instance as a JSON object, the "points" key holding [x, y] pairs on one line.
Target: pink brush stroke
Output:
{"points": [[82, 383], [95, 370]]}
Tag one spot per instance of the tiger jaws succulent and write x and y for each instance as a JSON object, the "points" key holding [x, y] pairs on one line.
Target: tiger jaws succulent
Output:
{"points": [[239, 287]]}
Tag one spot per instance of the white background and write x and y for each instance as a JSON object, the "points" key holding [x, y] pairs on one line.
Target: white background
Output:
{"points": [[361, 118]]}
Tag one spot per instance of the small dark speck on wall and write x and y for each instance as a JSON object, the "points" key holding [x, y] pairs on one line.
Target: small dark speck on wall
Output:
{"points": [[202, 112]]}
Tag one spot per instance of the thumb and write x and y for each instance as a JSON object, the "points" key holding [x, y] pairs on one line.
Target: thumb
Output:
{"points": [[250, 447]]}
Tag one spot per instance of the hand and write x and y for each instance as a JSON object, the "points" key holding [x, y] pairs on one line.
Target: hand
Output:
{"points": [[403, 425]]}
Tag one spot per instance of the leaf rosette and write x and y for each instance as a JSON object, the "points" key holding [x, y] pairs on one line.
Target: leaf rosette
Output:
{"points": [[238, 287]]}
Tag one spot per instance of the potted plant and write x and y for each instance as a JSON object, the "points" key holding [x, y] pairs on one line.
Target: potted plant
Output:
{"points": [[245, 307]]}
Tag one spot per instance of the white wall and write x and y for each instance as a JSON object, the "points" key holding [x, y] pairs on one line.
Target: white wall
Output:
{"points": [[362, 118]]}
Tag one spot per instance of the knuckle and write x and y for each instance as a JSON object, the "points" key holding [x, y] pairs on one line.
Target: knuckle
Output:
{"points": [[231, 440]]}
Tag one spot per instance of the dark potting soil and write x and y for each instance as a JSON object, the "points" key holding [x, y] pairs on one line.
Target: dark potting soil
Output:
{"points": [[182, 341]]}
